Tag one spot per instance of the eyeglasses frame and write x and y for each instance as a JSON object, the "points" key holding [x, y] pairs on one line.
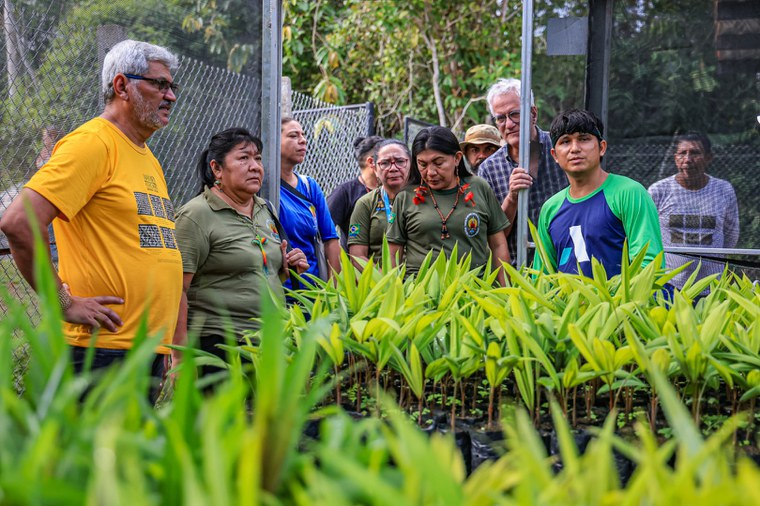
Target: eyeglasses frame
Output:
{"points": [[393, 162], [500, 119], [163, 85]]}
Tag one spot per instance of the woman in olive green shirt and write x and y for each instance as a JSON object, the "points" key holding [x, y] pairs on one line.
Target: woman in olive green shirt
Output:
{"points": [[373, 212], [229, 238], [444, 205]]}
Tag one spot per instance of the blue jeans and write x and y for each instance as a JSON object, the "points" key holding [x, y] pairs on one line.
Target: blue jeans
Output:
{"points": [[103, 357]]}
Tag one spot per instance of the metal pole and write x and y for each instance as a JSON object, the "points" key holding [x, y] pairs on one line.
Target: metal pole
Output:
{"points": [[370, 118], [711, 251], [271, 93], [598, 59], [524, 155]]}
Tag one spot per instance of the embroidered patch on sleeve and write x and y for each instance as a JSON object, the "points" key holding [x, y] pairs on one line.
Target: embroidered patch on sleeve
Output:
{"points": [[354, 230]]}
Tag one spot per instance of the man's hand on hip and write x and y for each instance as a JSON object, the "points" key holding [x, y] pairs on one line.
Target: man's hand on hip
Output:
{"points": [[92, 311]]}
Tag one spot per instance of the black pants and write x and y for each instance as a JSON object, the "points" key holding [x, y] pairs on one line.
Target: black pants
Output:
{"points": [[103, 357]]}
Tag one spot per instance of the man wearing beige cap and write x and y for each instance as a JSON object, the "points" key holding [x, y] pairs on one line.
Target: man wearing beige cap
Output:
{"points": [[480, 142]]}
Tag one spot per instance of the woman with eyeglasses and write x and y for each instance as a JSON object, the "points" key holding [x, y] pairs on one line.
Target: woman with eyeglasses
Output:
{"points": [[373, 212], [232, 245], [342, 201], [444, 205]]}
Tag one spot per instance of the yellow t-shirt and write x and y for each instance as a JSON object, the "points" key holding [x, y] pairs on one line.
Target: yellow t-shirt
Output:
{"points": [[115, 231]]}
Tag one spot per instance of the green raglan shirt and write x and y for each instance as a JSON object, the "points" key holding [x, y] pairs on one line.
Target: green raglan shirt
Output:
{"points": [[575, 230], [418, 226]]}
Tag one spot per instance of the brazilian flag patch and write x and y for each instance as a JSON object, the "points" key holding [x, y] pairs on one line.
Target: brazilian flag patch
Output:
{"points": [[354, 230]]}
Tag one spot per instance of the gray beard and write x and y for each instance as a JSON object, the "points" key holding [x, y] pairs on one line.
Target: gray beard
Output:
{"points": [[147, 117]]}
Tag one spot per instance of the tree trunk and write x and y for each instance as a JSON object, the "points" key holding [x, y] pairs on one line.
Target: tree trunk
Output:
{"points": [[430, 42], [16, 49]]}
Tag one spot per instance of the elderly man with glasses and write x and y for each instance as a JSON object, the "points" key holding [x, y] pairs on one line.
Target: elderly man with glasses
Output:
{"points": [[501, 170], [107, 198]]}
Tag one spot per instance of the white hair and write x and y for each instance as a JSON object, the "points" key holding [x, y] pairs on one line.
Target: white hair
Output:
{"points": [[132, 57], [502, 87]]}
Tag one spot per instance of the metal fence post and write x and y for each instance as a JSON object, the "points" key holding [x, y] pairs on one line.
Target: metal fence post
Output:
{"points": [[370, 118], [271, 73], [598, 60], [525, 83]]}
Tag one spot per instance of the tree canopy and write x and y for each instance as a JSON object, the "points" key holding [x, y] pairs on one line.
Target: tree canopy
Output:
{"points": [[434, 59]]}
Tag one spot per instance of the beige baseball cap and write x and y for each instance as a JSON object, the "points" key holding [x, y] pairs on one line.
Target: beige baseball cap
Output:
{"points": [[481, 134]]}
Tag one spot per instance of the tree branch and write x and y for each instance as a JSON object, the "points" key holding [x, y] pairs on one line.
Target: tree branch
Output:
{"points": [[461, 115], [436, 72]]}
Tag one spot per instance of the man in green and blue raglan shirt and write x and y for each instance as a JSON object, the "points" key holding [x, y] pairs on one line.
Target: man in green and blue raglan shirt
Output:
{"points": [[595, 215]]}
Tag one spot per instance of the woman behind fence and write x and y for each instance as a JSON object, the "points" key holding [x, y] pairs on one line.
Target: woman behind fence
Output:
{"points": [[444, 205], [373, 212], [303, 209], [232, 244], [343, 199]]}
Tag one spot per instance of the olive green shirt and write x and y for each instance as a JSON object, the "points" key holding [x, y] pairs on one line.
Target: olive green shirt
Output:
{"points": [[418, 226], [369, 222], [221, 248]]}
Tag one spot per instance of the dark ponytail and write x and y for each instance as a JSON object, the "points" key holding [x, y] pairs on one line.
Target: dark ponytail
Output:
{"points": [[364, 146], [204, 170]]}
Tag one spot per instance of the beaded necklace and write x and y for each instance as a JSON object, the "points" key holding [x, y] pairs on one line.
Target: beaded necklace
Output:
{"points": [[444, 228]]}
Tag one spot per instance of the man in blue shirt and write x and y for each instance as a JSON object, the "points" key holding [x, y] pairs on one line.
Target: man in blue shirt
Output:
{"points": [[598, 212]]}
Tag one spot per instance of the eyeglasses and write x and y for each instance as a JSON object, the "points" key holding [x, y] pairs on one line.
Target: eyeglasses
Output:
{"points": [[500, 119], [161, 84], [401, 163]]}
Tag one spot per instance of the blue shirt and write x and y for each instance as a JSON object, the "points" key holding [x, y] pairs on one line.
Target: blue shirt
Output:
{"points": [[300, 220]]}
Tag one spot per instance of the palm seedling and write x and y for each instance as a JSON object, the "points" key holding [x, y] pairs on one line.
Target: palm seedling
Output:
{"points": [[692, 346], [412, 372], [458, 361]]}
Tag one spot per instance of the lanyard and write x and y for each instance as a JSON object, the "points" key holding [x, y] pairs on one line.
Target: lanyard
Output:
{"points": [[259, 241], [386, 202]]}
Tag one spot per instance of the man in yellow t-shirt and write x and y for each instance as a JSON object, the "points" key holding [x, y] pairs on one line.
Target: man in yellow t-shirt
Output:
{"points": [[106, 195]]}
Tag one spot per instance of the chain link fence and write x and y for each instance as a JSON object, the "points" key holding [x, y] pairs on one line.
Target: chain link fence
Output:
{"points": [[648, 161], [665, 81], [52, 61], [331, 132], [51, 54], [412, 127]]}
